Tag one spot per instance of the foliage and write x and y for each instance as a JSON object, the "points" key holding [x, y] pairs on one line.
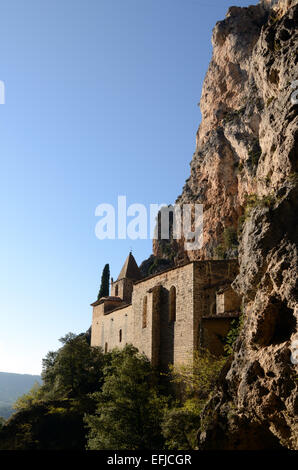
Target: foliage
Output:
{"points": [[30, 398], [236, 327], [51, 416], [153, 266], [110, 401], [219, 251], [160, 264], [52, 425], [74, 370], [230, 238], [232, 115], [198, 376], [129, 409], [13, 386], [180, 425], [196, 380], [252, 201], [105, 283], [229, 241]]}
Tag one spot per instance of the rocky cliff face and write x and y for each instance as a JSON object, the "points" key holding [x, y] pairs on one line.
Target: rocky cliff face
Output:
{"points": [[245, 172]]}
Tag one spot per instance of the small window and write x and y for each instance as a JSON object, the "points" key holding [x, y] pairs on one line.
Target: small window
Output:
{"points": [[106, 347], [144, 322], [116, 291], [120, 336], [172, 304]]}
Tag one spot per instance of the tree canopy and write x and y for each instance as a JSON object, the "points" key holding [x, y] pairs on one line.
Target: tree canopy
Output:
{"points": [[129, 408], [116, 400]]}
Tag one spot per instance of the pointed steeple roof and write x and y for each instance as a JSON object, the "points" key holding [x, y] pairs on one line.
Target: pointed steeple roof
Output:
{"points": [[130, 269]]}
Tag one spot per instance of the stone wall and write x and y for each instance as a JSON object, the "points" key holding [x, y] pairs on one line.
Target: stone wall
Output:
{"points": [[175, 338], [227, 301], [123, 289], [209, 276], [106, 327], [146, 323], [214, 331]]}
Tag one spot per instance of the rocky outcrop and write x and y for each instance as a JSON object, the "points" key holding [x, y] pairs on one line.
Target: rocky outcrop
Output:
{"points": [[257, 402], [245, 173], [243, 114]]}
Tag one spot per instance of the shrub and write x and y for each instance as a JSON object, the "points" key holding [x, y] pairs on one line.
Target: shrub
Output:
{"points": [[229, 241], [30, 398], [180, 426], [230, 238], [236, 327], [230, 116], [219, 252], [196, 380], [198, 375], [253, 201]]}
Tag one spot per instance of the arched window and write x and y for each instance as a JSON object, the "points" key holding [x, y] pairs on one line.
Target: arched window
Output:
{"points": [[144, 321], [120, 336], [106, 347], [116, 291], [172, 304]]}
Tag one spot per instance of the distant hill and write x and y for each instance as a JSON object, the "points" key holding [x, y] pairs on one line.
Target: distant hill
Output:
{"points": [[12, 386]]}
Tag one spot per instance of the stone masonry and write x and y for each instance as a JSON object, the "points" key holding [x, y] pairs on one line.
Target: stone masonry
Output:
{"points": [[169, 315]]}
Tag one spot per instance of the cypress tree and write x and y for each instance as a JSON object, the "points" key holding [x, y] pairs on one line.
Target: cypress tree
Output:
{"points": [[105, 283]]}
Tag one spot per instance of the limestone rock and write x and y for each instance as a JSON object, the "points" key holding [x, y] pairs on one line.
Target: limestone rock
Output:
{"points": [[256, 404], [245, 172]]}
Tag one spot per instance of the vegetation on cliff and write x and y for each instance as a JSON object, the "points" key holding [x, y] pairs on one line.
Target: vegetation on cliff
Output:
{"points": [[110, 401]]}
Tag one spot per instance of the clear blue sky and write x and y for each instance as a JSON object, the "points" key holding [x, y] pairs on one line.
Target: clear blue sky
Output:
{"points": [[101, 101]]}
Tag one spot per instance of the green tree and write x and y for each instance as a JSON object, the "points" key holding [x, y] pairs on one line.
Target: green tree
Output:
{"points": [[129, 409], [105, 282], [51, 416], [74, 370], [236, 327], [198, 376]]}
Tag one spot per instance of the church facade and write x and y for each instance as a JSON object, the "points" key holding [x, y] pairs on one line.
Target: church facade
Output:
{"points": [[169, 315]]}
